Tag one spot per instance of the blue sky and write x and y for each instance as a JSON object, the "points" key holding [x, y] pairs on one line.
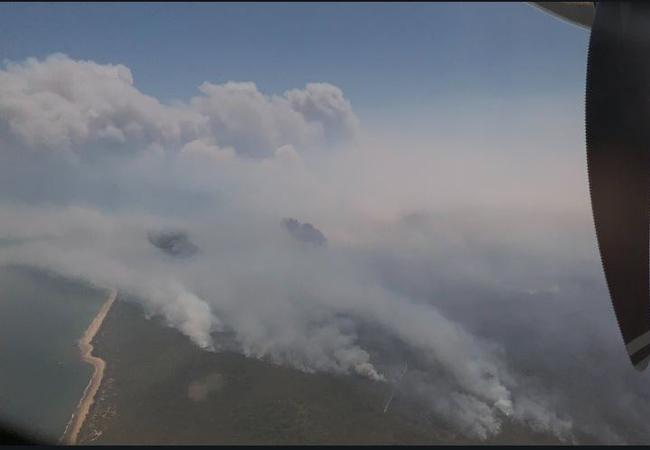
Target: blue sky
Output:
{"points": [[386, 57]]}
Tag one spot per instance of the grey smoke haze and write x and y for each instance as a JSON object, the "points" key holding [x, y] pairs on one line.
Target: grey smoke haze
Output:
{"points": [[304, 232], [457, 250], [173, 242]]}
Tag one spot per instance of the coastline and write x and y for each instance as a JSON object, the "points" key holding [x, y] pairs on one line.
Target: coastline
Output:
{"points": [[73, 427]]}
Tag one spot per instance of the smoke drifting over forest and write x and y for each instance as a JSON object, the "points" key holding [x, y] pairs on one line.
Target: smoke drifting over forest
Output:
{"points": [[461, 250]]}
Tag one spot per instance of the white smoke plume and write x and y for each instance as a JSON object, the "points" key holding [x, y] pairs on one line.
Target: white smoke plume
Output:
{"points": [[425, 243], [61, 104]]}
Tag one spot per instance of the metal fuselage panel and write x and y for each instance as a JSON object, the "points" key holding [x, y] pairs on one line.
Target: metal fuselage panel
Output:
{"points": [[578, 13], [618, 156]]}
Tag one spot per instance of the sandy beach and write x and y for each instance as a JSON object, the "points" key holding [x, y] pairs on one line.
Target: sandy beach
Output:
{"points": [[85, 345]]}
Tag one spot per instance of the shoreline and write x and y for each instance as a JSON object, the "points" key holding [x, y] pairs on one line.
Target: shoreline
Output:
{"points": [[72, 429]]}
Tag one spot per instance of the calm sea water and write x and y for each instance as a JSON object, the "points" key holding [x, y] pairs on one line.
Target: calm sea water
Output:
{"points": [[42, 378]]}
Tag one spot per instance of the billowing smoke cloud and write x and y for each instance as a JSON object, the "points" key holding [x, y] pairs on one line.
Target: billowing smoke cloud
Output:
{"points": [[62, 104], [435, 256]]}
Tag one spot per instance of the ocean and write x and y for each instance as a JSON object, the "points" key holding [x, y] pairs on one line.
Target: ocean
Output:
{"points": [[42, 377]]}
